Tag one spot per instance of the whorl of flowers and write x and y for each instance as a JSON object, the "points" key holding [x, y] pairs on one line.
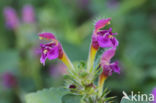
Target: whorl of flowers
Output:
{"points": [[83, 76], [11, 18]]}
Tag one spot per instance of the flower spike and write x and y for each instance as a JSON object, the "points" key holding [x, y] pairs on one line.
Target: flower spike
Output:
{"points": [[101, 38], [11, 18], [28, 15], [53, 50], [80, 80]]}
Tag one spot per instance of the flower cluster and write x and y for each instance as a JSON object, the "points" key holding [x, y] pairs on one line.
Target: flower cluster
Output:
{"points": [[9, 80], [104, 38], [12, 20], [50, 50], [28, 15], [101, 38]]}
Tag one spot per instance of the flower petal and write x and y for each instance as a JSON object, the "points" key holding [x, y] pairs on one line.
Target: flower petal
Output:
{"points": [[53, 53], [43, 59], [104, 41], [47, 35], [114, 42], [95, 43], [49, 51], [107, 71], [101, 23], [108, 54], [115, 67]]}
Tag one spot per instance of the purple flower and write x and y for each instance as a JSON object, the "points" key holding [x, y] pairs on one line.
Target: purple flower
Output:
{"points": [[11, 18], [28, 14], [51, 50], [154, 93], [9, 80], [103, 38], [106, 64]]}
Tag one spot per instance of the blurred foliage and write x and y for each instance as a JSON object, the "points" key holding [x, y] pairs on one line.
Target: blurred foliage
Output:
{"points": [[72, 22]]}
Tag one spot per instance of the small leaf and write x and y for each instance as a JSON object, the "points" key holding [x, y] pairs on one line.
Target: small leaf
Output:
{"points": [[70, 98], [52, 95]]}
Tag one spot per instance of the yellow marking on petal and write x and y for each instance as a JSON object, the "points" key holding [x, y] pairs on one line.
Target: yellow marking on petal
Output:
{"points": [[40, 38], [108, 23], [110, 36], [45, 51]]}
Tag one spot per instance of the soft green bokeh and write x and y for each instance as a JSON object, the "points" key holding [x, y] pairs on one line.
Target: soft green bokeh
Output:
{"points": [[72, 21]]}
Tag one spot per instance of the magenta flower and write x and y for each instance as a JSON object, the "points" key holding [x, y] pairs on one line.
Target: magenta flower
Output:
{"points": [[11, 18], [51, 50], [108, 67], [154, 93], [103, 38], [9, 80], [28, 14]]}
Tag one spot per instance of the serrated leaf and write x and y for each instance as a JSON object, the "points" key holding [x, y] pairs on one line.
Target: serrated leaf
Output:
{"points": [[52, 95], [70, 98]]}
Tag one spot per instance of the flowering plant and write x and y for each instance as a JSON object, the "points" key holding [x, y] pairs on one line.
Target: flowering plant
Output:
{"points": [[80, 79]]}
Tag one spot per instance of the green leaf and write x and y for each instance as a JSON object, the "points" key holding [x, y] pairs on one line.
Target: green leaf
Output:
{"points": [[70, 98], [52, 95]]}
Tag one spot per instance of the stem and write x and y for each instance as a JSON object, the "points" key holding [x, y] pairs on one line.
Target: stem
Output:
{"points": [[92, 54], [101, 81]]}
